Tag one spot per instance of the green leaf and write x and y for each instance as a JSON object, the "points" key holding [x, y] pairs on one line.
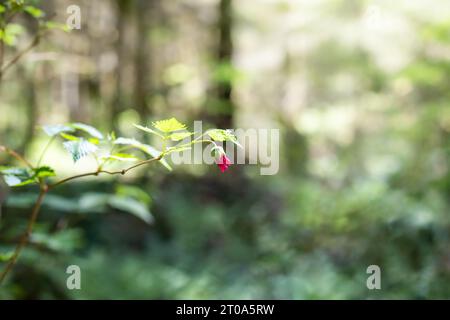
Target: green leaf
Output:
{"points": [[146, 129], [88, 129], [169, 125], [223, 135], [17, 177], [6, 256], [177, 136], [69, 136], [120, 157], [43, 172], [79, 149], [218, 151], [143, 147], [217, 134], [62, 241], [33, 11], [132, 206], [134, 192], [2, 9], [53, 130], [10, 33], [93, 202], [111, 136], [94, 141], [155, 153]]}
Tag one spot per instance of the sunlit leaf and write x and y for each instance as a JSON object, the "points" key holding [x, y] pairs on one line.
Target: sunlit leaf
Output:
{"points": [[43, 172], [53, 130], [223, 135], [9, 34], [79, 149], [35, 12], [155, 153], [169, 125], [143, 147], [120, 157], [88, 129], [69, 136], [146, 129], [17, 177], [177, 136]]}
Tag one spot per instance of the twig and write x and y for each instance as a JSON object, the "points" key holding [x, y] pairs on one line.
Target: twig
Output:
{"points": [[20, 54], [26, 235], [16, 155], [96, 173]]}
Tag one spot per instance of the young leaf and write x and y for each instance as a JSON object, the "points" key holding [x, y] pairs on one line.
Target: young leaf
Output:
{"points": [[177, 136], [217, 134], [53, 130], [169, 125], [223, 135], [43, 172], [146, 129], [88, 129], [79, 149], [155, 153], [111, 136], [17, 177], [94, 141], [69, 136], [143, 147], [120, 157]]}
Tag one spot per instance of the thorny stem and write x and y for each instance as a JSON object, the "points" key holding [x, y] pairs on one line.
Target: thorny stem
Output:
{"points": [[44, 189]]}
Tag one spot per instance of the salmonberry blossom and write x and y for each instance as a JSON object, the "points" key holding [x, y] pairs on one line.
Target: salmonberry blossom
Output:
{"points": [[223, 163]]}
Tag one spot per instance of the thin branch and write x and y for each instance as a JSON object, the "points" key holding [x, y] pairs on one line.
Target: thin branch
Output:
{"points": [[16, 155], [26, 235], [2, 49], [20, 54], [96, 173]]}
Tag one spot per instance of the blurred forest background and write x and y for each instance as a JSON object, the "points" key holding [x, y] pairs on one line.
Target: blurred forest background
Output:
{"points": [[359, 90]]}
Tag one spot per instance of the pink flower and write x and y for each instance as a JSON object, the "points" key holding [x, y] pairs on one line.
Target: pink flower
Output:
{"points": [[223, 163]]}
